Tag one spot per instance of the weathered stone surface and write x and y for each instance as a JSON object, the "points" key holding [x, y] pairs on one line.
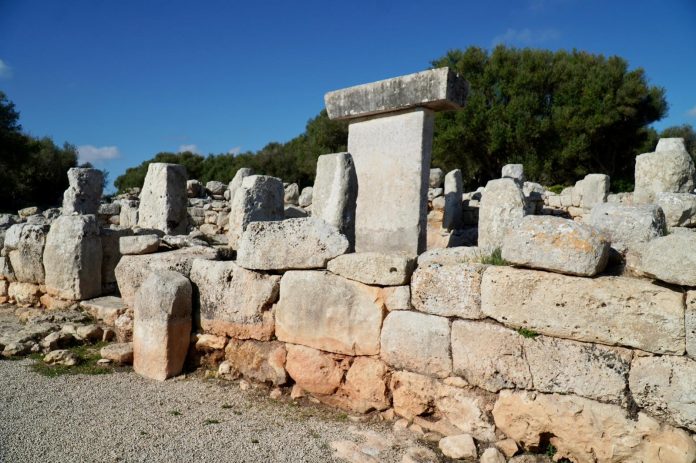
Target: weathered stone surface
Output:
{"points": [[25, 244], [392, 162], [492, 455], [437, 89], [314, 371], [494, 358], [335, 193], [215, 188], [305, 199], [111, 255], [24, 293], [236, 182], [373, 268], [194, 189], [607, 310], [84, 191], [107, 209], [129, 214], [260, 361], [365, 386], [163, 199], [668, 169], [556, 244], [397, 298], [132, 270], [467, 410], [513, 171], [412, 394], [73, 258], [452, 218], [6, 272], [593, 190], [138, 244], [665, 387], [679, 208], [104, 309], [162, 326], [627, 226], [670, 258], [502, 207], [61, 357], [234, 301], [450, 256], [120, 352], [589, 432], [290, 244], [292, 194], [417, 342], [436, 177], [690, 322], [449, 290], [259, 198], [330, 313], [461, 446]]}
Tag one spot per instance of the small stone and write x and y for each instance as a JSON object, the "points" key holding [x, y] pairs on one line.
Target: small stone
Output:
{"points": [[210, 342], [139, 244], [436, 177], [297, 392], [513, 171], [61, 357], [118, 352], [90, 333], [276, 393], [305, 199], [419, 455], [292, 194], [492, 455], [458, 447], [104, 362], [507, 446], [244, 385]]}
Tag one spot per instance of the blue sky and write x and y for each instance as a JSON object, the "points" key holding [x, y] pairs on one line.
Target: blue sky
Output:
{"points": [[124, 80]]}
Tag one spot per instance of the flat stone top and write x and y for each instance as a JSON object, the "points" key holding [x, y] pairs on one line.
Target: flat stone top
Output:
{"points": [[436, 89]]}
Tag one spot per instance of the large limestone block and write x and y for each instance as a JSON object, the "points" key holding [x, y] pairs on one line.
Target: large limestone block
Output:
{"points": [[328, 312], [494, 358], [313, 370], [132, 270], [556, 244], [668, 169], [105, 309], [73, 258], [607, 310], [84, 191], [593, 190], [304, 243], [236, 183], [25, 244], [417, 342], [452, 218], [449, 290], [392, 162], [335, 193], [163, 199], [259, 198], [260, 361], [138, 244], [373, 268], [162, 328], [437, 89], [628, 226], [666, 388], [502, 207], [234, 301], [670, 258], [448, 256], [679, 208], [586, 431]]}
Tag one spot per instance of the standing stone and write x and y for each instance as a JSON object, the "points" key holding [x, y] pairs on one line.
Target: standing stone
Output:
{"points": [[25, 244], [129, 214], [593, 190], [502, 207], [84, 193], [669, 169], [335, 193], [454, 189], [236, 182], [259, 199], [305, 199], [162, 328], [111, 255], [513, 171], [73, 258], [163, 199], [628, 226]]}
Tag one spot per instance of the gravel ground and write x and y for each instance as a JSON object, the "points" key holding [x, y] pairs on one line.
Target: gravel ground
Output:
{"points": [[123, 417]]}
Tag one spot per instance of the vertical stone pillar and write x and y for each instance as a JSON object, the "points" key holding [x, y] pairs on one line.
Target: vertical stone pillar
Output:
{"points": [[163, 200], [84, 193], [390, 140], [334, 193]]}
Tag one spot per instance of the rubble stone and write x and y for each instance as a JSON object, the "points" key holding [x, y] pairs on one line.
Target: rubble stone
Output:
{"points": [[260, 361], [139, 244], [679, 208], [670, 258], [669, 169]]}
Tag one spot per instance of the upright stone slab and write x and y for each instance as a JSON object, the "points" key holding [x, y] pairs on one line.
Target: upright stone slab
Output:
{"points": [[84, 193], [236, 182], [335, 193], [259, 199], [24, 244], [163, 200], [513, 171], [668, 169], [391, 147], [454, 189], [73, 258], [162, 328], [502, 207]]}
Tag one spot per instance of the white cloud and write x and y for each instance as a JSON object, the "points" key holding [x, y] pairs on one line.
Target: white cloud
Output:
{"points": [[90, 153], [191, 148], [526, 36], [692, 112], [235, 151], [5, 70]]}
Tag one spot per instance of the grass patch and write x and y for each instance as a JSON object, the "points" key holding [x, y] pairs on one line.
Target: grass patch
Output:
{"points": [[342, 416], [175, 412], [496, 258], [207, 422], [530, 334], [556, 189], [226, 406], [87, 356]]}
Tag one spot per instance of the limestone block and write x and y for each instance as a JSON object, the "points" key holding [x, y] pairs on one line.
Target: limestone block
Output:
{"points": [[593, 190], [417, 342], [109, 209], [290, 244], [502, 207], [305, 199], [234, 301], [162, 327], [313, 370], [236, 183], [120, 352], [586, 431], [373, 268], [556, 244], [607, 310], [492, 455], [25, 244], [679, 208], [448, 256], [215, 188], [513, 171], [132, 270], [24, 293], [6, 272], [259, 198], [436, 178], [412, 394], [163, 199], [669, 169], [335, 193], [454, 189], [670, 144], [84, 191], [260, 361], [665, 387], [627, 226], [104, 309], [392, 163], [670, 258], [467, 410], [292, 194], [129, 214], [437, 89], [397, 298], [111, 255], [449, 290], [328, 312], [365, 387], [138, 244]]}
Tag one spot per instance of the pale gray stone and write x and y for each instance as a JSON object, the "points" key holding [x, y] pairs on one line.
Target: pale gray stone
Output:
{"points": [[105, 309], [335, 193], [452, 217], [670, 144], [305, 199], [513, 171], [628, 226], [120, 352], [73, 258], [215, 188], [328, 312], [436, 177], [397, 298], [679, 208], [259, 198], [670, 258], [109, 209], [84, 191], [669, 169], [194, 189], [556, 244], [129, 214], [290, 244], [461, 446], [138, 244], [502, 207], [292, 194], [437, 89], [449, 290], [373, 268], [24, 244], [163, 199], [236, 182], [6, 271], [111, 255], [448, 256], [607, 310], [435, 193], [593, 190]]}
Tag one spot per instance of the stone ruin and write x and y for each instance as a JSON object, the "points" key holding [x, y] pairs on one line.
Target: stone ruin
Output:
{"points": [[501, 320]]}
